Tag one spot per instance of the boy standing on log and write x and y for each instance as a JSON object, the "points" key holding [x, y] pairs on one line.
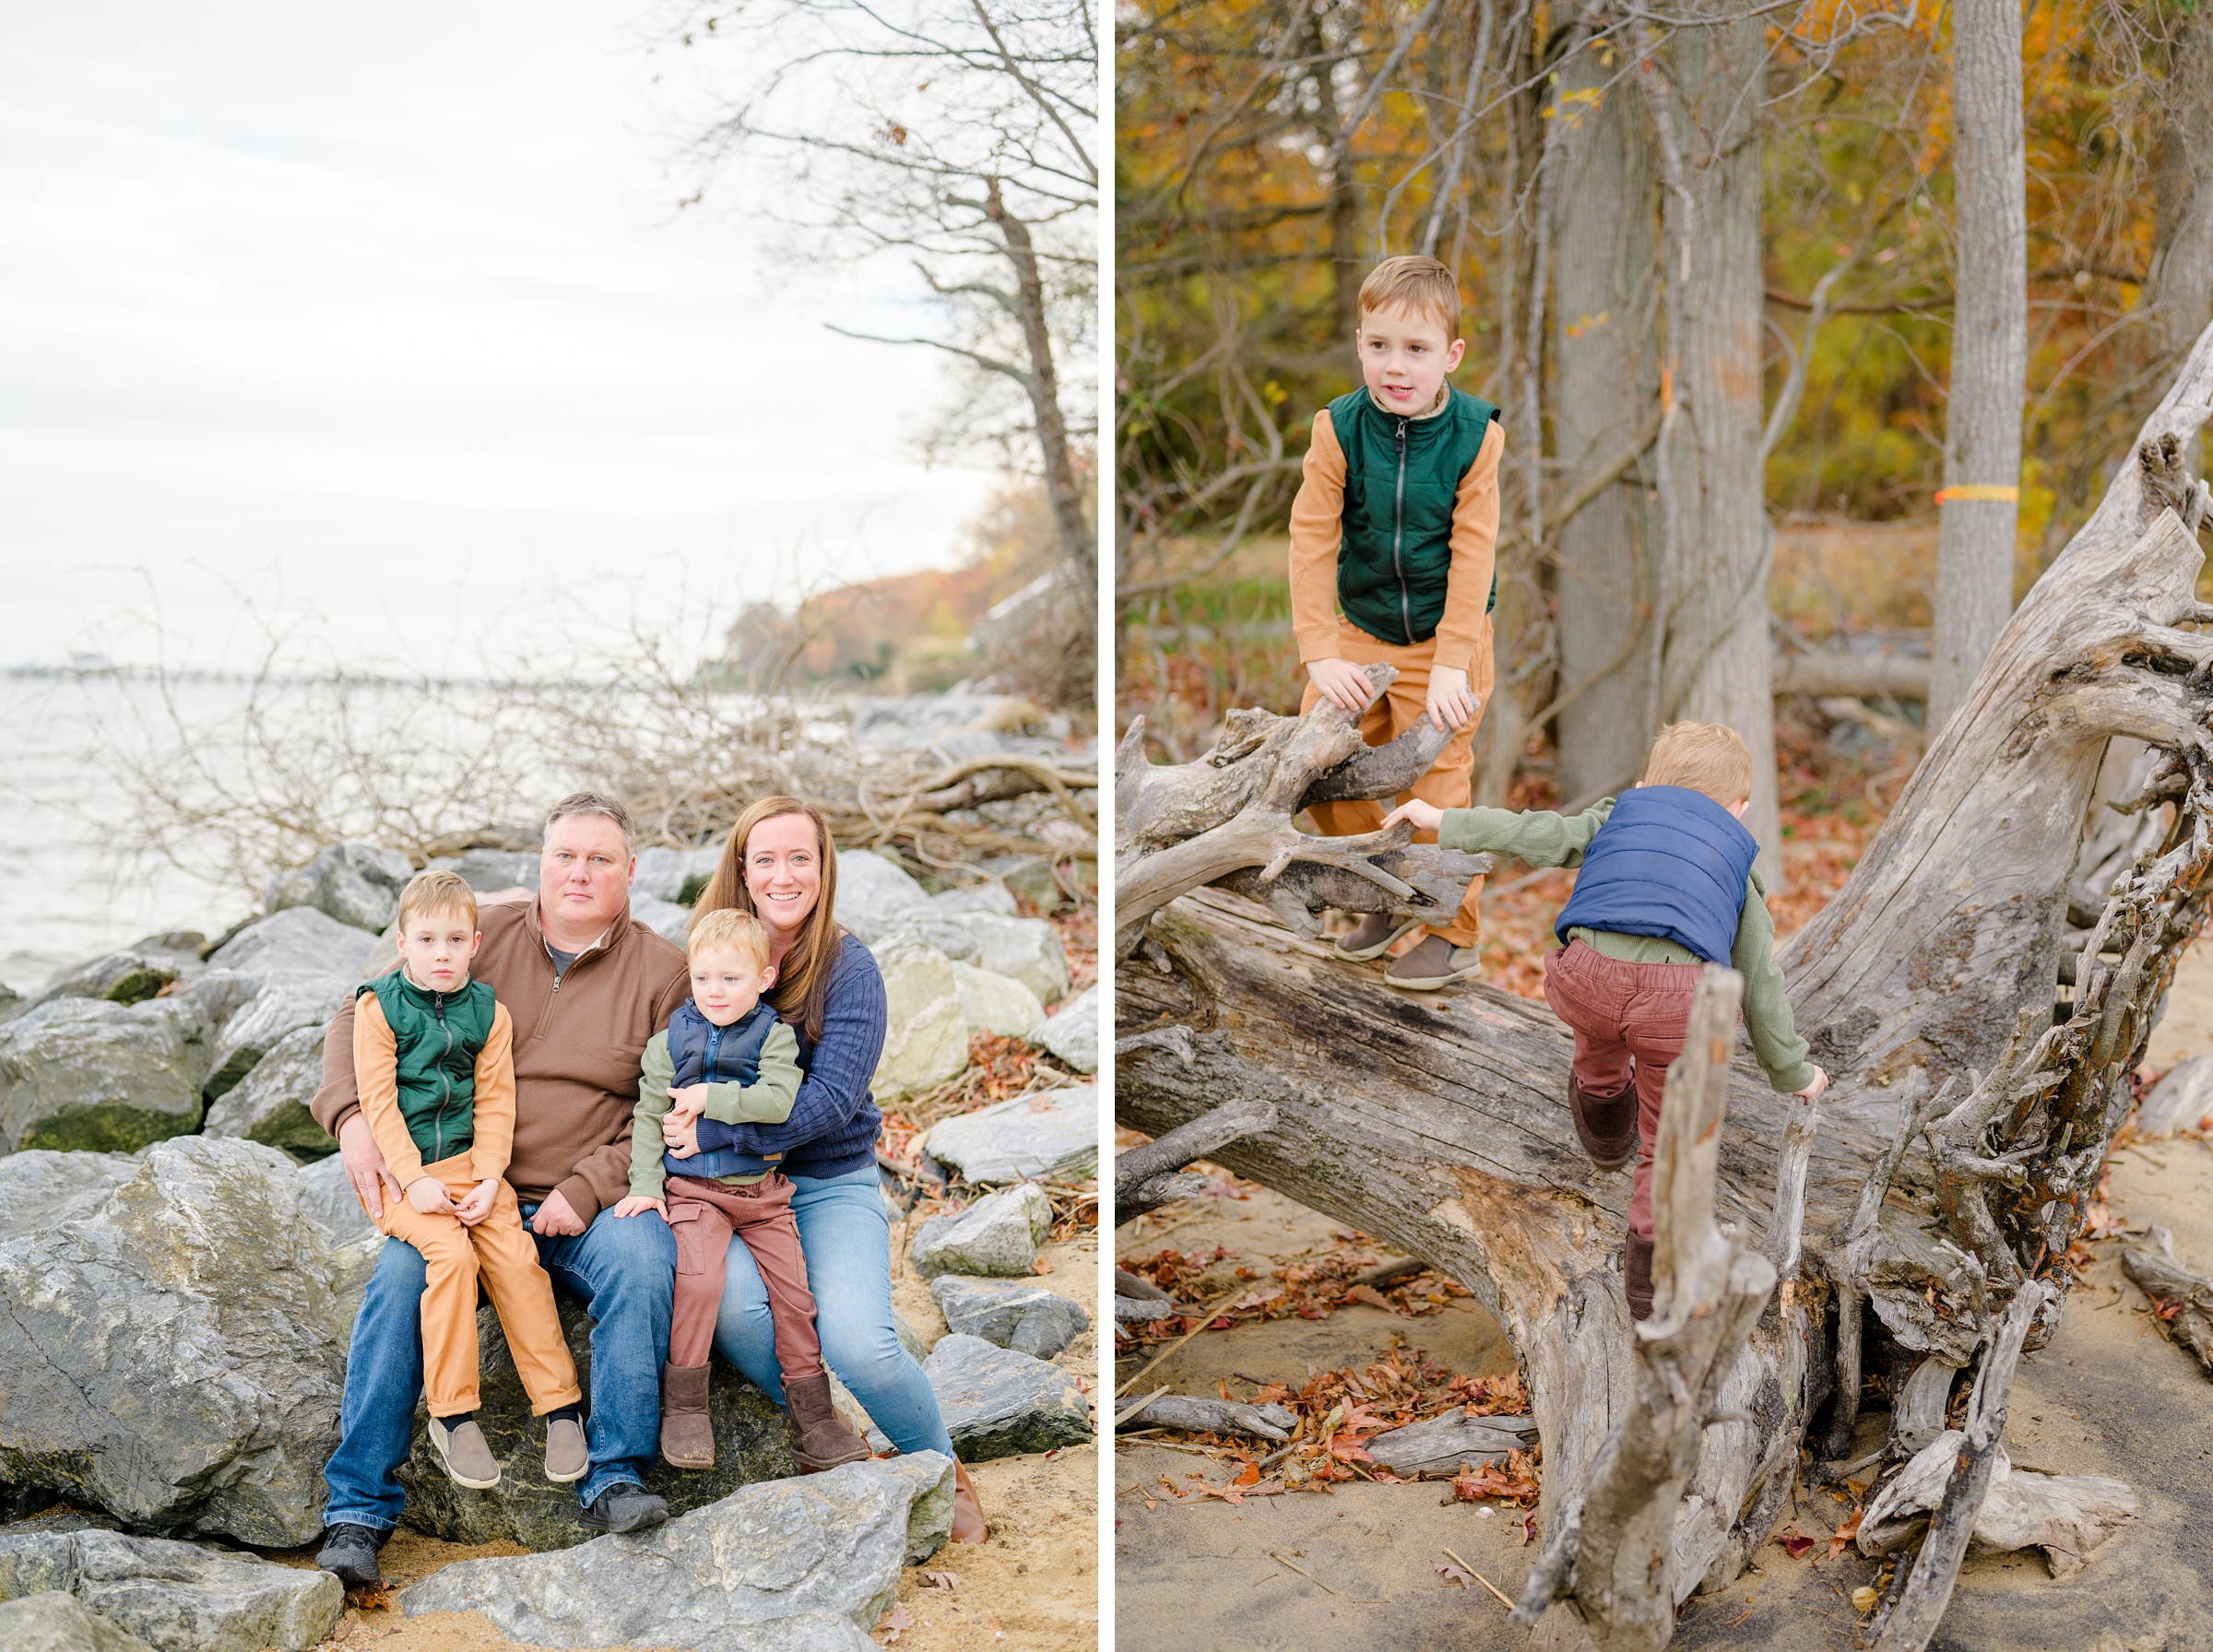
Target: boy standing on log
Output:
{"points": [[433, 1052], [1396, 525], [1667, 886]]}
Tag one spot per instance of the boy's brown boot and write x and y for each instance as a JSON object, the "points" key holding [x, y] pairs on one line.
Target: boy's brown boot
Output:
{"points": [[1605, 1124], [968, 1523], [1637, 1276], [1372, 936], [825, 1440], [687, 1431]]}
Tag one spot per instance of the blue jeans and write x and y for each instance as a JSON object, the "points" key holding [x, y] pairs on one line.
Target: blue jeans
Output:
{"points": [[845, 1233], [624, 1272]]}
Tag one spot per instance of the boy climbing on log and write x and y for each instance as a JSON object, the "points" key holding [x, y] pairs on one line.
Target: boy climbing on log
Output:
{"points": [[1396, 525], [728, 1056], [1667, 886], [433, 1052]]}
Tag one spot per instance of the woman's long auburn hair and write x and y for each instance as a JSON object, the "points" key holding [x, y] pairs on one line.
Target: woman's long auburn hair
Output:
{"points": [[803, 980]]}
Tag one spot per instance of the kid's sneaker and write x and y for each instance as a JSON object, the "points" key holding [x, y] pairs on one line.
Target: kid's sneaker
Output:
{"points": [[469, 1460]]}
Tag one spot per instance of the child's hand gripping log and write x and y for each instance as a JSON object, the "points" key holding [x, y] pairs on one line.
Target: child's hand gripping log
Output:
{"points": [[1424, 816]]}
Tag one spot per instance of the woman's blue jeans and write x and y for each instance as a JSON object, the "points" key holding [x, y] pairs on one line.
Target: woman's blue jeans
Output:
{"points": [[846, 1233]]}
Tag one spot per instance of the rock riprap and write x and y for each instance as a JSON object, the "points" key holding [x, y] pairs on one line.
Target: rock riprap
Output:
{"points": [[874, 896], [169, 1350], [926, 1035], [302, 964], [1000, 1403], [996, 1004], [796, 1566], [675, 874], [996, 1237], [1028, 1318], [358, 884], [269, 1104], [91, 1075], [1071, 1032], [489, 870], [752, 1443], [1049, 1137], [56, 1622], [174, 1597], [131, 975]]}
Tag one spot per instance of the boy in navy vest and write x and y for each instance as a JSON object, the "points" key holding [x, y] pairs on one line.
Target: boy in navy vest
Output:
{"points": [[728, 1056], [1666, 887], [1395, 524], [434, 1054]]}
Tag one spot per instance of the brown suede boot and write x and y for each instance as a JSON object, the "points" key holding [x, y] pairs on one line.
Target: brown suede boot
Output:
{"points": [[824, 1439], [1637, 1276], [1372, 936], [967, 1508], [687, 1431], [1605, 1124]]}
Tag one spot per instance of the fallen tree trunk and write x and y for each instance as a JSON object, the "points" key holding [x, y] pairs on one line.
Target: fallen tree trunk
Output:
{"points": [[1437, 1123]]}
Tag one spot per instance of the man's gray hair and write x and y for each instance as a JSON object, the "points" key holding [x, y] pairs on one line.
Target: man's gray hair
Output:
{"points": [[592, 803]]}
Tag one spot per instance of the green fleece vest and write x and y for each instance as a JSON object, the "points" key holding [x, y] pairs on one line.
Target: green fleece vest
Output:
{"points": [[1401, 478], [438, 1037]]}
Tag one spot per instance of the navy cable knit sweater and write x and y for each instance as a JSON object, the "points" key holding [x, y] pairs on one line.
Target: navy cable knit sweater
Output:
{"points": [[834, 1123]]}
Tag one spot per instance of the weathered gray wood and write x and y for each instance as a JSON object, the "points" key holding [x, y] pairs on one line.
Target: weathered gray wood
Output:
{"points": [[1202, 1416], [1144, 1176], [2068, 1516], [2151, 1263], [1445, 1444]]}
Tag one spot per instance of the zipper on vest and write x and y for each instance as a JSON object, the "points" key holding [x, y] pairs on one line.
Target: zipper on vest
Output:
{"points": [[445, 1075], [1398, 533]]}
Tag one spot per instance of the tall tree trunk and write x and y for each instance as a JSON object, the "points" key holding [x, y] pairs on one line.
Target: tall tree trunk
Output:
{"points": [[1077, 537], [1990, 351], [1344, 202], [1606, 367], [1714, 664], [2182, 277]]}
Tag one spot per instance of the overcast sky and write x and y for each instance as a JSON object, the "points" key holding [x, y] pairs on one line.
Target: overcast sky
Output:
{"points": [[384, 315]]}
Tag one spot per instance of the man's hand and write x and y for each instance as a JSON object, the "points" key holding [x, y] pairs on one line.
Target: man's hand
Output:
{"points": [[364, 1162], [475, 1205], [680, 1137], [557, 1218], [686, 1104], [1424, 816], [1340, 682], [1451, 704], [1812, 1093], [427, 1195], [637, 1203]]}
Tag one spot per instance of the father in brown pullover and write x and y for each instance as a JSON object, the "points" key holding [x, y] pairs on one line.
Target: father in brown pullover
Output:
{"points": [[586, 986]]}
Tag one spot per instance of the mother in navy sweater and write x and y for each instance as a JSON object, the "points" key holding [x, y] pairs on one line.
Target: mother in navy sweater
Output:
{"points": [[780, 866]]}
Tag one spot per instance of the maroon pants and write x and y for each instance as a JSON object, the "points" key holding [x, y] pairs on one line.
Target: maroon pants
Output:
{"points": [[703, 1215], [1627, 1018]]}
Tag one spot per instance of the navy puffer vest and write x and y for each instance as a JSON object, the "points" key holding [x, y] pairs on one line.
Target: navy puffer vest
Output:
{"points": [[1670, 862], [706, 1053]]}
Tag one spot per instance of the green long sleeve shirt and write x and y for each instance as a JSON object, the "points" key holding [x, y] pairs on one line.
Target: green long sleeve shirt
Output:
{"points": [[767, 1101], [1542, 839]]}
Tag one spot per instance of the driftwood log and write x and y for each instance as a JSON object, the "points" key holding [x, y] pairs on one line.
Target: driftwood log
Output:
{"points": [[1974, 1119]]}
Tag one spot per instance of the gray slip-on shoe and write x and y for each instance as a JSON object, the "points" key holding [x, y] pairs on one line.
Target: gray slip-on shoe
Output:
{"points": [[469, 1460]]}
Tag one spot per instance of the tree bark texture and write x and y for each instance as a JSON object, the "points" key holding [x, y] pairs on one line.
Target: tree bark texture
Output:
{"points": [[2181, 278], [1990, 349], [1968, 1127], [1606, 367]]}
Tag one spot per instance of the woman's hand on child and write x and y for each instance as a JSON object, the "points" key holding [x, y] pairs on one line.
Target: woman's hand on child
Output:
{"points": [[681, 1137], [427, 1195], [1812, 1093], [1341, 683], [475, 1205], [1424, 816], [688, 1103], [1451, 702], [637, 1203]]}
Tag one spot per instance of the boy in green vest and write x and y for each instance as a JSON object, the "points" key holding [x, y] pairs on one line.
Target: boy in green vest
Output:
{"points": [[435, 1055], [1392, 540]]}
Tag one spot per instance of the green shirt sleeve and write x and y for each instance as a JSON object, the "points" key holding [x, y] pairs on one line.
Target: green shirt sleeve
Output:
{"points": [[1767, 1007], [1537, 837], [768, 1098], [648, 1177]]}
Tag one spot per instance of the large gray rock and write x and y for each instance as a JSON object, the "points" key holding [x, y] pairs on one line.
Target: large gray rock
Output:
{"points": [[269, 1104], [996, 1004], [991, 896], [174, 1597], [88, 1075], [2180, 1099], [131, 975], [42, 1188], [170, 1350], [753, 1442], [356, 883], [329, 1196], [797, 1565], [1441, 1444], [926, 1036], [670, 874], [996, 1237], [873, 895], [665, 918], [281, 1005], [56, 1622], [1048, 1137], [298, 941], [302, 964], [1025, 949], [1028, 1318], [1071, 1032], [489, 870], [1000, 1403]]}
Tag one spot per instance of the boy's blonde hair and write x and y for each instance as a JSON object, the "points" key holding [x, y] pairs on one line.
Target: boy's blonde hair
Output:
{"points": [[1421, 285], [741, 932], [1702, 757], [437, 892]]}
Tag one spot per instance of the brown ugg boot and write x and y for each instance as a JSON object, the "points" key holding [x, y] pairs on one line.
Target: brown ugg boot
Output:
{"points": [[687, 1431], [825, 1440], [968, 1525], [1605, 1124], [1637, 1276]]}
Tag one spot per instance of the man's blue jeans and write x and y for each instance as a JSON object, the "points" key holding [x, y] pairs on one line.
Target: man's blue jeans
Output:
{"points": [[845, 1233], [624, 1273]]}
